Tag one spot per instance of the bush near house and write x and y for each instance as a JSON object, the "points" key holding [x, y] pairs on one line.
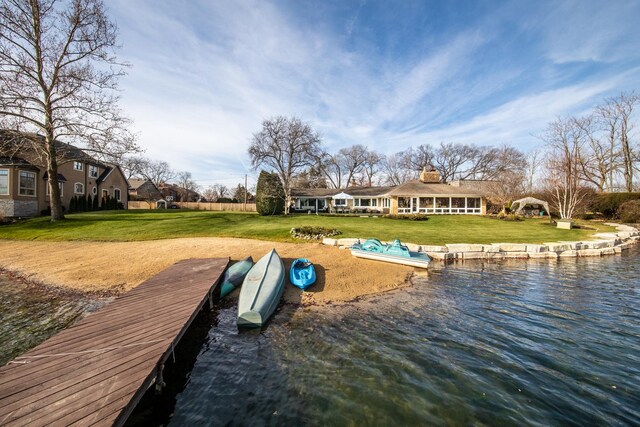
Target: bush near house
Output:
{"points": [[608, 204], [407, 217], [629, 212]]}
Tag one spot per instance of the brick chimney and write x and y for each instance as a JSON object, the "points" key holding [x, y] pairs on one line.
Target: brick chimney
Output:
{"points": [[429, 174]]}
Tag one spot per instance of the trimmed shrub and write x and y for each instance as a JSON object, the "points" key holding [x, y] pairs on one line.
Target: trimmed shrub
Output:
{"points": [[608, 204], [95, 204], [73, 204], [313, 233], [408, 217], [269, 194], [630, 211]]}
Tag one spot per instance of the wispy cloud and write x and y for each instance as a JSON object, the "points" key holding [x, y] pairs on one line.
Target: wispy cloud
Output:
{"points": [[206, 74]]}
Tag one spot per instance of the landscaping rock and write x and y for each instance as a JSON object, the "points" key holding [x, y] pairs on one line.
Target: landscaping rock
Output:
{"points": [[540, 255], [558, 247], [494, 255], [608, 251], [433, 248], [590, 252], [512, 247], [412, 247], [348, 242], [537, 248], [491, 248], [328, 241], [570, 253], [441, 256], [464, 248], [473, 255]]}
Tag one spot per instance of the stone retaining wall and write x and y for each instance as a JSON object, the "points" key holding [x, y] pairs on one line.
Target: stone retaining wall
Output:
{"points": [[603, 244]]}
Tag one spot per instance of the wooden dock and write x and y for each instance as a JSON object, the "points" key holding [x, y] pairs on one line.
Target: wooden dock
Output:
{"points": [[96, 371]]}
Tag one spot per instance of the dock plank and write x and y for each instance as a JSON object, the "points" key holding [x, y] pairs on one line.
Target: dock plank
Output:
{"points": [[94, 372]]}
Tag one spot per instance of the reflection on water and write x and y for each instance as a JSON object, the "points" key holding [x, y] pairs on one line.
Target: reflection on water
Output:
{"points": [[511, 342], [30, 314]]}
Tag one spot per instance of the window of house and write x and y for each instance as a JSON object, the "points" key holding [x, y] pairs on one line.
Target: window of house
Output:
{"points": [[340, 202], [473, 202], [442, 202], [404, 202], [94, 191], [386, 202], [60, 186], [116, 194], [27, 183], [78, 166], [457, 202], [426, 202], [78, 188], [4, 181], [93, 171]]}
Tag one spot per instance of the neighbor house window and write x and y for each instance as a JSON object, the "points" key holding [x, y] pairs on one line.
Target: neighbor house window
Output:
{"points": [[457, 202], [78, 166], [116, 194], [386, 202], [78, 188], [94, 190], [4, 182], [60, 186], [404, 202], [341, 202], [27, 183], [93, 171]]}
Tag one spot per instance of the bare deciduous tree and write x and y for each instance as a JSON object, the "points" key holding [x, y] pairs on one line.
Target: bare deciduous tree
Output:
{"points": [[58, 74], [373, 165], [352, 161], [395, 169], [288, 146], [187, 185], [565, 142], [619, 110]]}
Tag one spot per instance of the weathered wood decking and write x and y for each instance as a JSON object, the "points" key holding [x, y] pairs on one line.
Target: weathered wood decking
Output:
{"points": [[97, 370]]}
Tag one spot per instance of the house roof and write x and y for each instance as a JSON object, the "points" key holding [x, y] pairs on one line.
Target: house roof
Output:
{"points": [[135, 183], [60, 177], [419, 188], [16, 161], [330, 192]]}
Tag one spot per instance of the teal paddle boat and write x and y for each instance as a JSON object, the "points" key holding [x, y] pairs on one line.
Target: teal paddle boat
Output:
{"points": [[261, 291], [394, 252], [234, 275], [302, 274]]}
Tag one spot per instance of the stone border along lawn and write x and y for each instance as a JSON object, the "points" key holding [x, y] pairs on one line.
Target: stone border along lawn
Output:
{"points": [[607, 244]]}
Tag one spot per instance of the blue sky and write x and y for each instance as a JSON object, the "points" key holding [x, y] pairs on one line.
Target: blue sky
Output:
{"points": [[385, 74]]}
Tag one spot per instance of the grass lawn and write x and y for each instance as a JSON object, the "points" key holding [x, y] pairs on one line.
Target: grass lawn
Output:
{"points": [[158, 224]]}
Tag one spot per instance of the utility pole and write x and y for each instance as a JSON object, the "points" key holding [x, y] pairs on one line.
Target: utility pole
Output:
{"points": [[244, 208]]}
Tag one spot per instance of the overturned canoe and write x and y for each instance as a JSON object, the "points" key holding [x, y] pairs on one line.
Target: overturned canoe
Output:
{"points": [[234, 275], [302, 273], [261, 291], [395, 252]]}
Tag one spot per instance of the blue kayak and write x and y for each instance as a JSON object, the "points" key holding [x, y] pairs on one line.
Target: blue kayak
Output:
{"points": [[234, 275], [302, 274]]}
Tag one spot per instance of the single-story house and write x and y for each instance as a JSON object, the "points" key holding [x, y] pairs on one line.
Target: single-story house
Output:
{"points": [[426, 195], [143, 189], [24, 182]]}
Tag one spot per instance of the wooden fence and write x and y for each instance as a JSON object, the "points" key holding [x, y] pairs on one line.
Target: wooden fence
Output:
{"points": [[200, 206]]}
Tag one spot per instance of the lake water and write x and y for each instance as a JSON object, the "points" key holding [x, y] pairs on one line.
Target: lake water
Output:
{"points": [[501, 343]]}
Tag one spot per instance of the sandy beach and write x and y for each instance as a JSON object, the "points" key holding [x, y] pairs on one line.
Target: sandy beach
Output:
{"points": [[116, 267]]}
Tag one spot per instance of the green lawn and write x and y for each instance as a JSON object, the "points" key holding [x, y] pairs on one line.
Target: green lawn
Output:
{"points": [[151, 225]]}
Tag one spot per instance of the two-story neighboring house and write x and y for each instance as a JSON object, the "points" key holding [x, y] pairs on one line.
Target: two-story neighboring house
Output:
{"points": [[24, 187]]}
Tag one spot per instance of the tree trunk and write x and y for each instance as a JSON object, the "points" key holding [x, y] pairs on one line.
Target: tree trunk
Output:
{"points": [[55, 200]]}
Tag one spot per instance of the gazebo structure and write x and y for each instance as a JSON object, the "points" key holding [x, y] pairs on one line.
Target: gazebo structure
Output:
{"points": [[532, 201]]}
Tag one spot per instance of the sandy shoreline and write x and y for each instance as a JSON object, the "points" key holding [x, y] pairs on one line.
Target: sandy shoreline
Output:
{"points": [[116, 267]]}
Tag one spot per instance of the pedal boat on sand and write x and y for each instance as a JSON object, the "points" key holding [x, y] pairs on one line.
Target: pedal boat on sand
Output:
{"points": [[261, 291], [395, 252]]}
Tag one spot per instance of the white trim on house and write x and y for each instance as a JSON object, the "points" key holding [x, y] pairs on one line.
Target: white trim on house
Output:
{"points": [[94, 191], [119, 198], [78, 166], [342, 195], [92, 169], [75, 186], [47, 192], [440, 205]]}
